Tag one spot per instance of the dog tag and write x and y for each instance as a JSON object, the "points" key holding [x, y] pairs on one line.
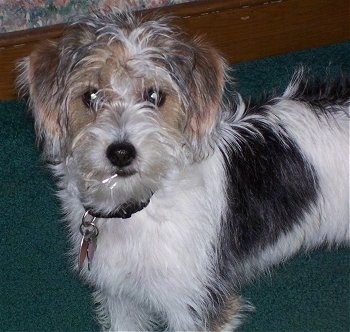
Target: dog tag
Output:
{"points": [[83, 253], [89, 231], [87, 249]]}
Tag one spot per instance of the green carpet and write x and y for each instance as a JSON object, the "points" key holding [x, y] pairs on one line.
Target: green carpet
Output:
{"points": [[38, 291]]}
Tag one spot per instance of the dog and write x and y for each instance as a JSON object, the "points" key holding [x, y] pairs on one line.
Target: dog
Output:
{"points": [[175, 192]]}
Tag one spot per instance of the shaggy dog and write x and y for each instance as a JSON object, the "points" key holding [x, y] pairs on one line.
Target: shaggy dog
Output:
{"points": [[174, 193]]}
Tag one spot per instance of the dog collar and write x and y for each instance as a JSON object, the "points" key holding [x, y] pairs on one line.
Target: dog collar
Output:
{"points": [[125, 211], [89, 230]]}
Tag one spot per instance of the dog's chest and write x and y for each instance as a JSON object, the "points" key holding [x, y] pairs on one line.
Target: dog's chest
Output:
{"points": [[153, 249]]}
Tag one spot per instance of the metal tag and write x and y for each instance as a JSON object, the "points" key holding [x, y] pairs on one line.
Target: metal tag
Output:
{"points": [[89, 231]]}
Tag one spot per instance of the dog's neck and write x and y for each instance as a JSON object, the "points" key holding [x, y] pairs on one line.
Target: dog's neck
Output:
{"points": [[124, 211]]}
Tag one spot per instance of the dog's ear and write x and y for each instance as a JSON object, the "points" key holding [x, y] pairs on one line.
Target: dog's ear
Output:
{"points": [[206, 88], [37, 79], [200, 73]]}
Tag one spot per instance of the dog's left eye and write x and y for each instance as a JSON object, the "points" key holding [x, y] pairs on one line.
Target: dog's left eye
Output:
{"points": [[155, 97], [89, 97]]}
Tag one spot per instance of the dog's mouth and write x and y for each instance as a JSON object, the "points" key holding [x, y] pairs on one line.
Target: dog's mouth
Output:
{"points": [[125, 172], [119, 173], [103, 197]]}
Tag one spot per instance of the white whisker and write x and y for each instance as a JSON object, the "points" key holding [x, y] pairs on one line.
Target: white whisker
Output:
{"points": [[109, 178]]}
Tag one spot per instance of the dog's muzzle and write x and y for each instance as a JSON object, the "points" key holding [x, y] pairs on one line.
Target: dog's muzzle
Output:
{"points": [[121, 155]]}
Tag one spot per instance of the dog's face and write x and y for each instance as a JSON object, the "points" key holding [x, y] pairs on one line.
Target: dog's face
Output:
{"points": [[123, 104]]}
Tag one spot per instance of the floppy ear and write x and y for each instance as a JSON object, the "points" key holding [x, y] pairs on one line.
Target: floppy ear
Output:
{"points": [[200, 73], [206, 89], [37, 79]]}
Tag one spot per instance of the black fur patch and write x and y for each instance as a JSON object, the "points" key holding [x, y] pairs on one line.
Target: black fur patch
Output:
{"points": [[269, 188], [321, 93], [270, 185]]}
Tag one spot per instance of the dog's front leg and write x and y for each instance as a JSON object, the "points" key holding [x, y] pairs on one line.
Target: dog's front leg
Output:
{"points": [[120, 313]]}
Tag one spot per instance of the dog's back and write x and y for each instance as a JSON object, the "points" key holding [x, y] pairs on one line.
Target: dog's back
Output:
{"points": [[288, 171], [323, 134]]}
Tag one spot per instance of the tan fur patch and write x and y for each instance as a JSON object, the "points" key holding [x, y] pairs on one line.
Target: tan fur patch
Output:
{"points": [[232, 308]]}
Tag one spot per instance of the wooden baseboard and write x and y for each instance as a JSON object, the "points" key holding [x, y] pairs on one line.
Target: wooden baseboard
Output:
{"points": [[241, 29]]}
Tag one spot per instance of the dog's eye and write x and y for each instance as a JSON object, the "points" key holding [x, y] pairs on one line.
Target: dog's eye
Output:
{"points": [[89, 97], [155, 97]]}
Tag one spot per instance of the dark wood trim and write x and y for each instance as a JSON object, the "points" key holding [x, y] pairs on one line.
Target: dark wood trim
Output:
{"points": [[242, 29]]}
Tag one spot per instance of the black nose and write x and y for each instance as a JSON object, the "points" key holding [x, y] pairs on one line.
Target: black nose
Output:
{"points": [[121, 154]]}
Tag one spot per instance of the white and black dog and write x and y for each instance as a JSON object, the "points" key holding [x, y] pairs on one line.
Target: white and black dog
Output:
{"points": [[175, 194]]}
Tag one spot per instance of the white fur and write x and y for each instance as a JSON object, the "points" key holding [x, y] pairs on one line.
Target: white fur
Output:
{"points": [[161, 253], [325, 144]]}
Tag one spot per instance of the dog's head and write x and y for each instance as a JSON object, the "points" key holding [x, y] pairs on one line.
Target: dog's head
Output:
{"points": [[122, 102]]}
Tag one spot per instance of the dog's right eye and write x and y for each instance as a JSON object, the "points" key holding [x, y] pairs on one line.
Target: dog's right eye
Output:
{"points": [[89, 98], [154, 96]]}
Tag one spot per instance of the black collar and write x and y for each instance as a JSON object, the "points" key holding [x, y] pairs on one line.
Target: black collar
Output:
{"points": [[124, 211]]}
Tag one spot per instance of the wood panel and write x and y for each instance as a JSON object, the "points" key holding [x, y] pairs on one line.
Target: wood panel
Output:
{"points": [[241, 29]]}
